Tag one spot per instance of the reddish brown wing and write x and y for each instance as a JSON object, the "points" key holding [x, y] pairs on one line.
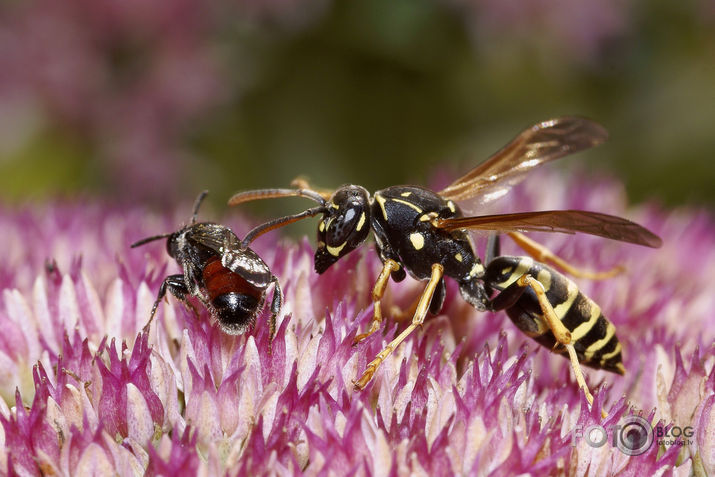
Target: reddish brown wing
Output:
{"points": [[540, 143], [566, 221]]}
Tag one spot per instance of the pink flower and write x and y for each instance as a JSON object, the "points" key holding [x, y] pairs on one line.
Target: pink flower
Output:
{"points": [[84, 390]]}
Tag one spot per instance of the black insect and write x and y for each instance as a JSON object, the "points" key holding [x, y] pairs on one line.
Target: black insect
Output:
{"points": [[229, 278], [424, 233]]}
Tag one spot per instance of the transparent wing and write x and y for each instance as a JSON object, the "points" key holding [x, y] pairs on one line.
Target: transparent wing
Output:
{"points": [[213, 236], [565, 221], [240, 260], [542, 142]]}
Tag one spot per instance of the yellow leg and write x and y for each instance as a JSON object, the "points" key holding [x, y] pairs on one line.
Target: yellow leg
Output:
{"points": [[377, 293], [560, 332], [396, 314], [543, 254], [417, 320]]}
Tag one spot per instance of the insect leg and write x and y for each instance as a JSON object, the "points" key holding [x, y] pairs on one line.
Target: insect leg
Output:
{"points": [[377, 293], [276, 304], [417, 320], [493, 248], [400, 315], [176, 285], [543, 254], [511, 294]]}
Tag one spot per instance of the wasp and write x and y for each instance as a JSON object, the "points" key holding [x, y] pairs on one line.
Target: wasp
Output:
{"points": [[423, 233], [221, 271]]}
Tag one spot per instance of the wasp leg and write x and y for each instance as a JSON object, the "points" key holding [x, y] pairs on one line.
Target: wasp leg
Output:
{"points": [[511, 294], [417, 320], [176, 285], [301, 182], [398, 315], [377, 293], [543, 254]]}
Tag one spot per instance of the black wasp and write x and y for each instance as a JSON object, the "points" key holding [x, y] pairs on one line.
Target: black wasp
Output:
{"points": [[229, 278], [424, 233]]}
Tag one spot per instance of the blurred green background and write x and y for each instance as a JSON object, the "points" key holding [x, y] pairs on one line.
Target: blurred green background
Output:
{"points": [[150, 102]]}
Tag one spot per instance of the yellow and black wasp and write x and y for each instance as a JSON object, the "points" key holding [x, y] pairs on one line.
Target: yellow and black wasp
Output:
{"points": [[424, 233]]}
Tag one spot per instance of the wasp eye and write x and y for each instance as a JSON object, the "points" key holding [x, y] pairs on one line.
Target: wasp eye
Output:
{"points": [[341, 226], [345, 227]]}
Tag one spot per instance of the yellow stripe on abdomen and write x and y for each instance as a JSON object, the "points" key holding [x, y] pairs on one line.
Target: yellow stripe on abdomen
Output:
{"points": [[571, 293], [591, 350], [583, 329]]}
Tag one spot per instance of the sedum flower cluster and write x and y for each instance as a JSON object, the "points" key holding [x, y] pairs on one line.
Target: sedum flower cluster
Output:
{"points": [[85, 391]]}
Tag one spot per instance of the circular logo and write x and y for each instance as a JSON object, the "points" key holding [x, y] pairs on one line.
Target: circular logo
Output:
{"points": [[635, 436]]}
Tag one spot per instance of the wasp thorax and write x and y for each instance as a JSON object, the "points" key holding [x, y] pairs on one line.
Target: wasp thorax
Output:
{"points": [[344, 226]]}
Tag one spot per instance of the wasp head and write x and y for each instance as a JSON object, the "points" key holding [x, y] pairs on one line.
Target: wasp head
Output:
{"points": [[344, 226]]}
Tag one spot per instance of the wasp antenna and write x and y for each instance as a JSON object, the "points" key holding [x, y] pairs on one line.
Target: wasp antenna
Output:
{"points": [[311, 194], [257, 194], [197, 204], [148, 239], [280, 222]]}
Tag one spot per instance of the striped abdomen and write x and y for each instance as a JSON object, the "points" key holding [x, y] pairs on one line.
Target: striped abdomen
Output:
{"points": [[235, 300], [593, 335]]}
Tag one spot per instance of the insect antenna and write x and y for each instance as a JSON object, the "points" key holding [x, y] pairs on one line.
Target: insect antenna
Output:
{"points": [[197, 204], [148, 239], [280, 222], [250, 195]]}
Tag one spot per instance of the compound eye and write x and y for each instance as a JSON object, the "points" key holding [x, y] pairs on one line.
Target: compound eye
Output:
{"points": [[341, 227], [339, 235], [345, 226], [172, 245]]}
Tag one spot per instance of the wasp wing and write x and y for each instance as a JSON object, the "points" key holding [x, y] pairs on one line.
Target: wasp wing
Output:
{"points": [[565, 221], [542, 142]]}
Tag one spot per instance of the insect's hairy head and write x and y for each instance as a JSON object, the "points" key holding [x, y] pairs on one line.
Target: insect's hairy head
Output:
{"points": [[176, 239], [173, 244], [344, 226]]}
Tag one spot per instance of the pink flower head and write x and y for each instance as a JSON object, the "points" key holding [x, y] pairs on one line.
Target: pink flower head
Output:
{"points": [[84, 390]]}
